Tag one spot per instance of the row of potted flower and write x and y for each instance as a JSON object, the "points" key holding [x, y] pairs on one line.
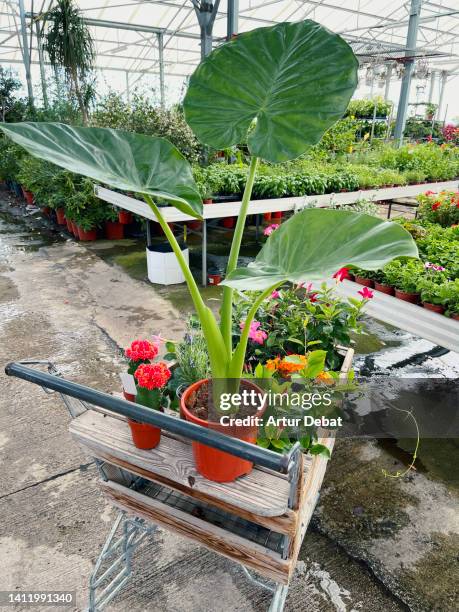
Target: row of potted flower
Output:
{"points": [[412, 281], [81, 228]]}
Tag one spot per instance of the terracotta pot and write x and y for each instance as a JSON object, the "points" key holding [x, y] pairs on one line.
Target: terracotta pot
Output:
{"points": [[413, 298], [229, 222], [46, 210], [28, 196], [124, 217], [212, 463], [87, 235], [434, 307], [366, 282], [75, 230], [194, 225], [144, 436], [208, 201], [114, 230], [276, 215], [60, 215], [214, 279], [384, 288], [69, 225], [267, 216]]}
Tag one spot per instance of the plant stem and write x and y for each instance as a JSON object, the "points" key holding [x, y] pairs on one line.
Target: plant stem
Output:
{"points": [[227, 303], [211, 331], [237, 363]]}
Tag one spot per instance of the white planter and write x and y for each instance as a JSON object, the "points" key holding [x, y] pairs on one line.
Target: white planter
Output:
{"points": [[163, 268]]}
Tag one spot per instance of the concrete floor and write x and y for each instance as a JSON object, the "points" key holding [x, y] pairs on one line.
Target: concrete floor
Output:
{"points": [[61, 301]]}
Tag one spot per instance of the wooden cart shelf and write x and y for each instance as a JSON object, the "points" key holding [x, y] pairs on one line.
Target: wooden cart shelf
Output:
{"points": [[252, 521]]}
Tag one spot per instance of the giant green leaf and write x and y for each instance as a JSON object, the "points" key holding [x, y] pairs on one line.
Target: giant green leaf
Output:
{"points": [[315, 243], [294, 79], [124, 160]]}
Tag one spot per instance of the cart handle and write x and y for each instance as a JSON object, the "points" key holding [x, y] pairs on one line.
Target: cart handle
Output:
{"points": [[260, 456]]}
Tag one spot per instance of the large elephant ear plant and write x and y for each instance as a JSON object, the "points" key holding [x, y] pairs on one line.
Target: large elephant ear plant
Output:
{"points": [[278, 89]]}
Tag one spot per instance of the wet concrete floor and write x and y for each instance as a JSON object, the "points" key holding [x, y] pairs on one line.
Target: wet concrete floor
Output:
{"points": [[375, 543]]}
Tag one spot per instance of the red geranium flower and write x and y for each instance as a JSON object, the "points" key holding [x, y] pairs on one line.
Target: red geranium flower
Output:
{"points": [[152, 375], [436, 205], [342, 274], [141, 350]]}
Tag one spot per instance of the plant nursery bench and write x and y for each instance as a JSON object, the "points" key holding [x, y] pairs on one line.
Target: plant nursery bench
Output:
{"points": [[258, 207], [259, 520]]}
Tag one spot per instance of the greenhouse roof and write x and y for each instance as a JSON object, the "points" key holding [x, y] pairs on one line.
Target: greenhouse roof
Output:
{"points": [[131, 36]]}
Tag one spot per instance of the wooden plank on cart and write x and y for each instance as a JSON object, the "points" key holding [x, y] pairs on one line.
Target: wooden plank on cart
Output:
{"points": [[267, 562], [261, 492]]}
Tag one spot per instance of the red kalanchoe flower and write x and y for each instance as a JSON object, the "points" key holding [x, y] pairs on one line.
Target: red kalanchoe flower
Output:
{"points": [[141, 350], [366, 293], [342, 274], [152, 375]]}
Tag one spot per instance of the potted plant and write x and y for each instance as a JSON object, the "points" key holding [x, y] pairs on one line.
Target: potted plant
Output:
{"points": [[433, 287], [151, 384], [452, 299], [114, 230], [364, 277], [430, 111], [124, 217], [137, 353], [314, 88], [404, 275]]}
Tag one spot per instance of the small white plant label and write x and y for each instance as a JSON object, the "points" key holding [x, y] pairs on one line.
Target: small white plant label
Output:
{"points": [[128, 383]]}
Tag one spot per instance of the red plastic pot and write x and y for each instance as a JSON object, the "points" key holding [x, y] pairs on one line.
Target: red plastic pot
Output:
{"points": [[267, 216], [212, 463], [28, 195], [229, 222], [46, 210], [194, 225], [124, 217], [69, 225], [413, 298], [366, 282], [276, 215], [60, 215], [144, 435], [214, 279], [208, 201], [384, 288], [114, 230], [434, 307], [455, 317], [130, 397], [87, 235], [75, 230]]}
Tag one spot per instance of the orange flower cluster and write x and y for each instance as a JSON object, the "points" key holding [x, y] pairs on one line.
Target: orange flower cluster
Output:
{"points": [[287, 368]]}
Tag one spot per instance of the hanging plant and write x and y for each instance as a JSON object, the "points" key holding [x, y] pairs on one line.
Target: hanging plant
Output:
{"points": [[69, 46]]}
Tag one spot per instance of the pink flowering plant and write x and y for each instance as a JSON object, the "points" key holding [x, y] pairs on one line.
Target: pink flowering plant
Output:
{"points": [[297, 318]]}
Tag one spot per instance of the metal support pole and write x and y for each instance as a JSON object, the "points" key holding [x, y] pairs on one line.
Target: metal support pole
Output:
{"points": [[410, 50], [206, 13], [232, 19], [433, 78], [25, 51], [443, 79], [128, 90], [161, 69], [204, 253], [387, 83], [373, 120], [44, 90]]}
